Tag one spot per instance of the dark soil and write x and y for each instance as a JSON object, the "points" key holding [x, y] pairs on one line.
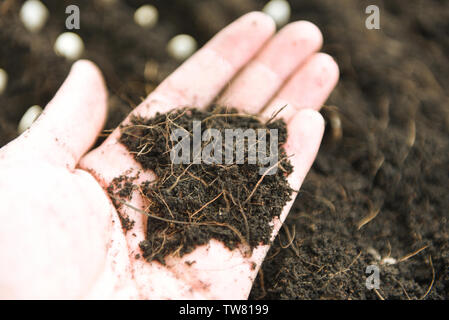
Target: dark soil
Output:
{"points": [[191, 203], [386, 166], [120, 190]]}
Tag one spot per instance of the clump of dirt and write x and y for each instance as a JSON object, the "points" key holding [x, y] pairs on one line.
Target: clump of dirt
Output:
{"points": [[121, 188], [190, 203]]}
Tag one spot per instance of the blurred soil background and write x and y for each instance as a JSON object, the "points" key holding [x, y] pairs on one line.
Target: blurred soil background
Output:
{"points": [[378, 192]]}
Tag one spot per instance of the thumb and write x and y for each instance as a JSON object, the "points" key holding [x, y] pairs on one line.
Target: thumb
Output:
{"points": [[72, 120]]}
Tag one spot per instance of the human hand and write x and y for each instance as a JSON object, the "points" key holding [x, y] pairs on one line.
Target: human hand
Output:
{"points": [[73, 245]]}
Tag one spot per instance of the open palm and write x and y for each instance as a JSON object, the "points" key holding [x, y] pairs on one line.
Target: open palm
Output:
{"points": [[60, 236]]}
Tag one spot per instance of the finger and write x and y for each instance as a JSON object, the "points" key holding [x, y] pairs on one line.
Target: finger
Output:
{"points": [[73, 119], [199, 80], [305, 132], [309, 87], [262, 78]]}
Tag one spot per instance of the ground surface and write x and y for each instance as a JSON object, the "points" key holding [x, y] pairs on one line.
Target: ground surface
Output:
{"points": [[379, 190]]}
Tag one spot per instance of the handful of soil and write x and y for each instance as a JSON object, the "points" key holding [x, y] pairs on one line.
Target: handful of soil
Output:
{"points": [[193, 202]]}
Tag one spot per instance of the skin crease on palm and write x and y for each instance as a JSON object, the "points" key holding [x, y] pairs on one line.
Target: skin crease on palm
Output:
{"points": [[60, 236]]}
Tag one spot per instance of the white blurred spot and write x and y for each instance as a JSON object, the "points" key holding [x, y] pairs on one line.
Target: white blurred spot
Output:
{"points": [[181, 46], [69, 45], [388, 260], [34, 15], [279, 10], [28, 118], [146, 16], [3, 80]]}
